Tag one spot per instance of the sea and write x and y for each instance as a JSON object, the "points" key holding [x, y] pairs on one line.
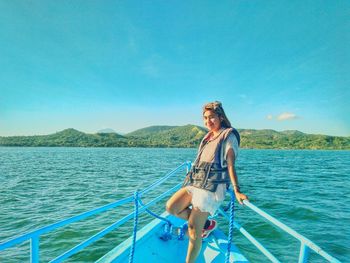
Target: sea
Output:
{"points": [[308, 190]]}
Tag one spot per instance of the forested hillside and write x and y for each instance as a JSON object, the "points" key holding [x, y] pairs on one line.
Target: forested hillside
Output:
{"points": [[179, 136]]}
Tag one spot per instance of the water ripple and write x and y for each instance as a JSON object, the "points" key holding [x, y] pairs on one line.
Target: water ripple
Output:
{"points": [[307, 190]]}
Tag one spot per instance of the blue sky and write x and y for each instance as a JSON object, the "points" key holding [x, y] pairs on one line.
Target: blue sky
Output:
{"points": [[125, 65]]}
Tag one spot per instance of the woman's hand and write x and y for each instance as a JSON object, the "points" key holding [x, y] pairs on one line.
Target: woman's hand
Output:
{"points": [[240, 197]]}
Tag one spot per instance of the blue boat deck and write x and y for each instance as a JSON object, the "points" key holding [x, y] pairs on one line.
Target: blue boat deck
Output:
{"points": [[151, 248]]}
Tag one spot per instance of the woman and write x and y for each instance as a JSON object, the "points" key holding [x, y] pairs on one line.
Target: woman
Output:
{"points": [[205, 185]]}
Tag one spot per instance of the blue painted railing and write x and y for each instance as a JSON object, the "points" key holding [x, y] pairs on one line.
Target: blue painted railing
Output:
{"points": [[34, 236], [305, 246]]}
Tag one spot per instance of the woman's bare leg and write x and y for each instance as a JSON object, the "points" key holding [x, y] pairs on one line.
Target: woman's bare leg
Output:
{"points": [[178, 204], [196, 223]]}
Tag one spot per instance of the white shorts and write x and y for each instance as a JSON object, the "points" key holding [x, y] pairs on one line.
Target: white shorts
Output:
{"points": [[207, 201]]}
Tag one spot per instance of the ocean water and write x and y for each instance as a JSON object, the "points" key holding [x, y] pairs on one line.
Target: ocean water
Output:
{"points": [[307, 190]]}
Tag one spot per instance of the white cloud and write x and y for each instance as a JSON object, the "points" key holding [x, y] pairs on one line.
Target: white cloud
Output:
{"points": [[286, 116], [269, 117]]}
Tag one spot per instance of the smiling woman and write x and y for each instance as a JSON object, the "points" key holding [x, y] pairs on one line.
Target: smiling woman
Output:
{"points": [[206, 183], [213, 113]]}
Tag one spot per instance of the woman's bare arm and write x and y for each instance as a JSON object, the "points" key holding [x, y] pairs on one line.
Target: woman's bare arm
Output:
{"points": [[230, 158]]}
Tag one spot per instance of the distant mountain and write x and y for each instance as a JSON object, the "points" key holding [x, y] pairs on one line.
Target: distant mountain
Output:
{"points": [[180, 136]]}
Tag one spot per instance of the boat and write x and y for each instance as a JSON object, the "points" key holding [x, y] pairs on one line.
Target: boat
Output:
{"points": [[164, 239]]}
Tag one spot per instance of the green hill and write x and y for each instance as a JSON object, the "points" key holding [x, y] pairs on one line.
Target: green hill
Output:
{"points": [[270, 139], [67, 137], [144, 132], [169, 136], [180, 136]]}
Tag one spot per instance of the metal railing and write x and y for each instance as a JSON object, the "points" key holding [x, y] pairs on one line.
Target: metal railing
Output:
{"points": [[34, 236], [305, 244]]}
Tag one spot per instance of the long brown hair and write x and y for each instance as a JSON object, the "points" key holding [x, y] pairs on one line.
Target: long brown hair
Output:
{"points": [[216, 107]]}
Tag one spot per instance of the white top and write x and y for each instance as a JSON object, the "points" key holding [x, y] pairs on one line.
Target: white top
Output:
{"points": [[230, 143]]}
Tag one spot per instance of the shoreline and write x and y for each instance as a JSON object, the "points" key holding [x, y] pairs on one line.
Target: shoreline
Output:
{"points": [[175, 147]]}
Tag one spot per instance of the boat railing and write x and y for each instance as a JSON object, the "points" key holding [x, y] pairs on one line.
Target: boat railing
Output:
{"points": [[305, 244], [34, 236]]}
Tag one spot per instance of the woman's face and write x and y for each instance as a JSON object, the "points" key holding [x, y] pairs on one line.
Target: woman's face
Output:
{"points": [[211, 120]]}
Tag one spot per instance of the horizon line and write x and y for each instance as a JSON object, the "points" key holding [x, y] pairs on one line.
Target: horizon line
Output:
{"points": [[124, 133]]}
